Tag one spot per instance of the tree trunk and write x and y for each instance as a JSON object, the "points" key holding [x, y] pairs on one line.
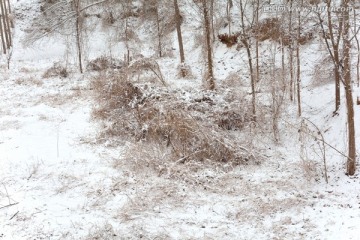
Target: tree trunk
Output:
{"points": [[2, 33], [337, 77], [5, 22], [348, 93], [127, 7], [298, 70], [229, 5], [257, 42], [291, 65], [158, 31], [78, 34], [246, 43], [10, 23], [212, 19], [358, 51], [178, 31], [252, 77], [283, 71], [336, 58], [210, 73]]}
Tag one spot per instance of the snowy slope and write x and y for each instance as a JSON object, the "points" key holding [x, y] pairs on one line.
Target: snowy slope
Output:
{"points": [[58, 182]]}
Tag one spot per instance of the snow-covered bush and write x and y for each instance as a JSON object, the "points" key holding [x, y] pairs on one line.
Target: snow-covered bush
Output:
{"points": [[103, 63], [190, 128], [57, 70]]}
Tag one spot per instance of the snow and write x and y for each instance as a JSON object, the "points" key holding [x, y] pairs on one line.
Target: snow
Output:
{"points": [[58, 182]]}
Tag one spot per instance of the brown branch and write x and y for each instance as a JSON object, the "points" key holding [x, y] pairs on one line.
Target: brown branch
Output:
{"points": [[9, 205]]}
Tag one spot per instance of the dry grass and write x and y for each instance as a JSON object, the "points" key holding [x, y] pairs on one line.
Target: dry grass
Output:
{"points": [[104, 232], [108, 18], [29, 81], [166, 130], [103, 62], [229, 40], [323, 73], [9, 124], [233, 80], [184, 71], [143, 65], [271, 28], [57, 70], [115, 95], [59, 99]]}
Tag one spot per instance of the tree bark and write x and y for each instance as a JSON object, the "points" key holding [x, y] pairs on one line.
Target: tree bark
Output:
{"points": [[257, 42], [291, 65], [358, 51], [5, 24], [2, 33], [9, 10], [298, 67], [158, 30], [210, 73], [229, 5], [336, 57], [348, 93], [178, 31], [78, 34], [245, 41]]}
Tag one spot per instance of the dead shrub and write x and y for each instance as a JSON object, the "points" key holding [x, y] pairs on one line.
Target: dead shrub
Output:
{"points": [[323, 73], [108, 18], [103, 63], [269, 28], [160, 118], [305, 38], [29, 81], [233, 80], [231, 120], [141, 65], [198, 40], [115, 94], [57, 70], [184, 71], [229, 40], [105, 231]]}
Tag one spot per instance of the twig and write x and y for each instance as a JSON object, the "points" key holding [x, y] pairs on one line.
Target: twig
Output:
{"points": [[7, 194], [14, 215], [9, 205], [324, 150]]}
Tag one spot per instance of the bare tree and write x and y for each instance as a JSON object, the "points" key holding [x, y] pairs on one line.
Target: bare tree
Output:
{"points": [[332, 39], [246, 40], [5, 31], [348, 90], [178, 31], [290, 53], [356, 31], [210, 74], [126, 6], [229, 5], [257, 12], [2, 33], [78, 27], [298, 64], [158, 29], [60, 16]]}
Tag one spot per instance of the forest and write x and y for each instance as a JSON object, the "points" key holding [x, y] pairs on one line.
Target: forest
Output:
{"points": [[179, 119]]}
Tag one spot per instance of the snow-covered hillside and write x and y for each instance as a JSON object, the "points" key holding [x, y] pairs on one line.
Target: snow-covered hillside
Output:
{"points": [[58, 181]]}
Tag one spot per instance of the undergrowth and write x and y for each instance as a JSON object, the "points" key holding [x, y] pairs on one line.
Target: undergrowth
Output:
{"points": [[170, 126]]}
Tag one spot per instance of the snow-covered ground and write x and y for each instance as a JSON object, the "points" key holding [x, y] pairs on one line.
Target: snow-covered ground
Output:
{"points": [[58, 182]]}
